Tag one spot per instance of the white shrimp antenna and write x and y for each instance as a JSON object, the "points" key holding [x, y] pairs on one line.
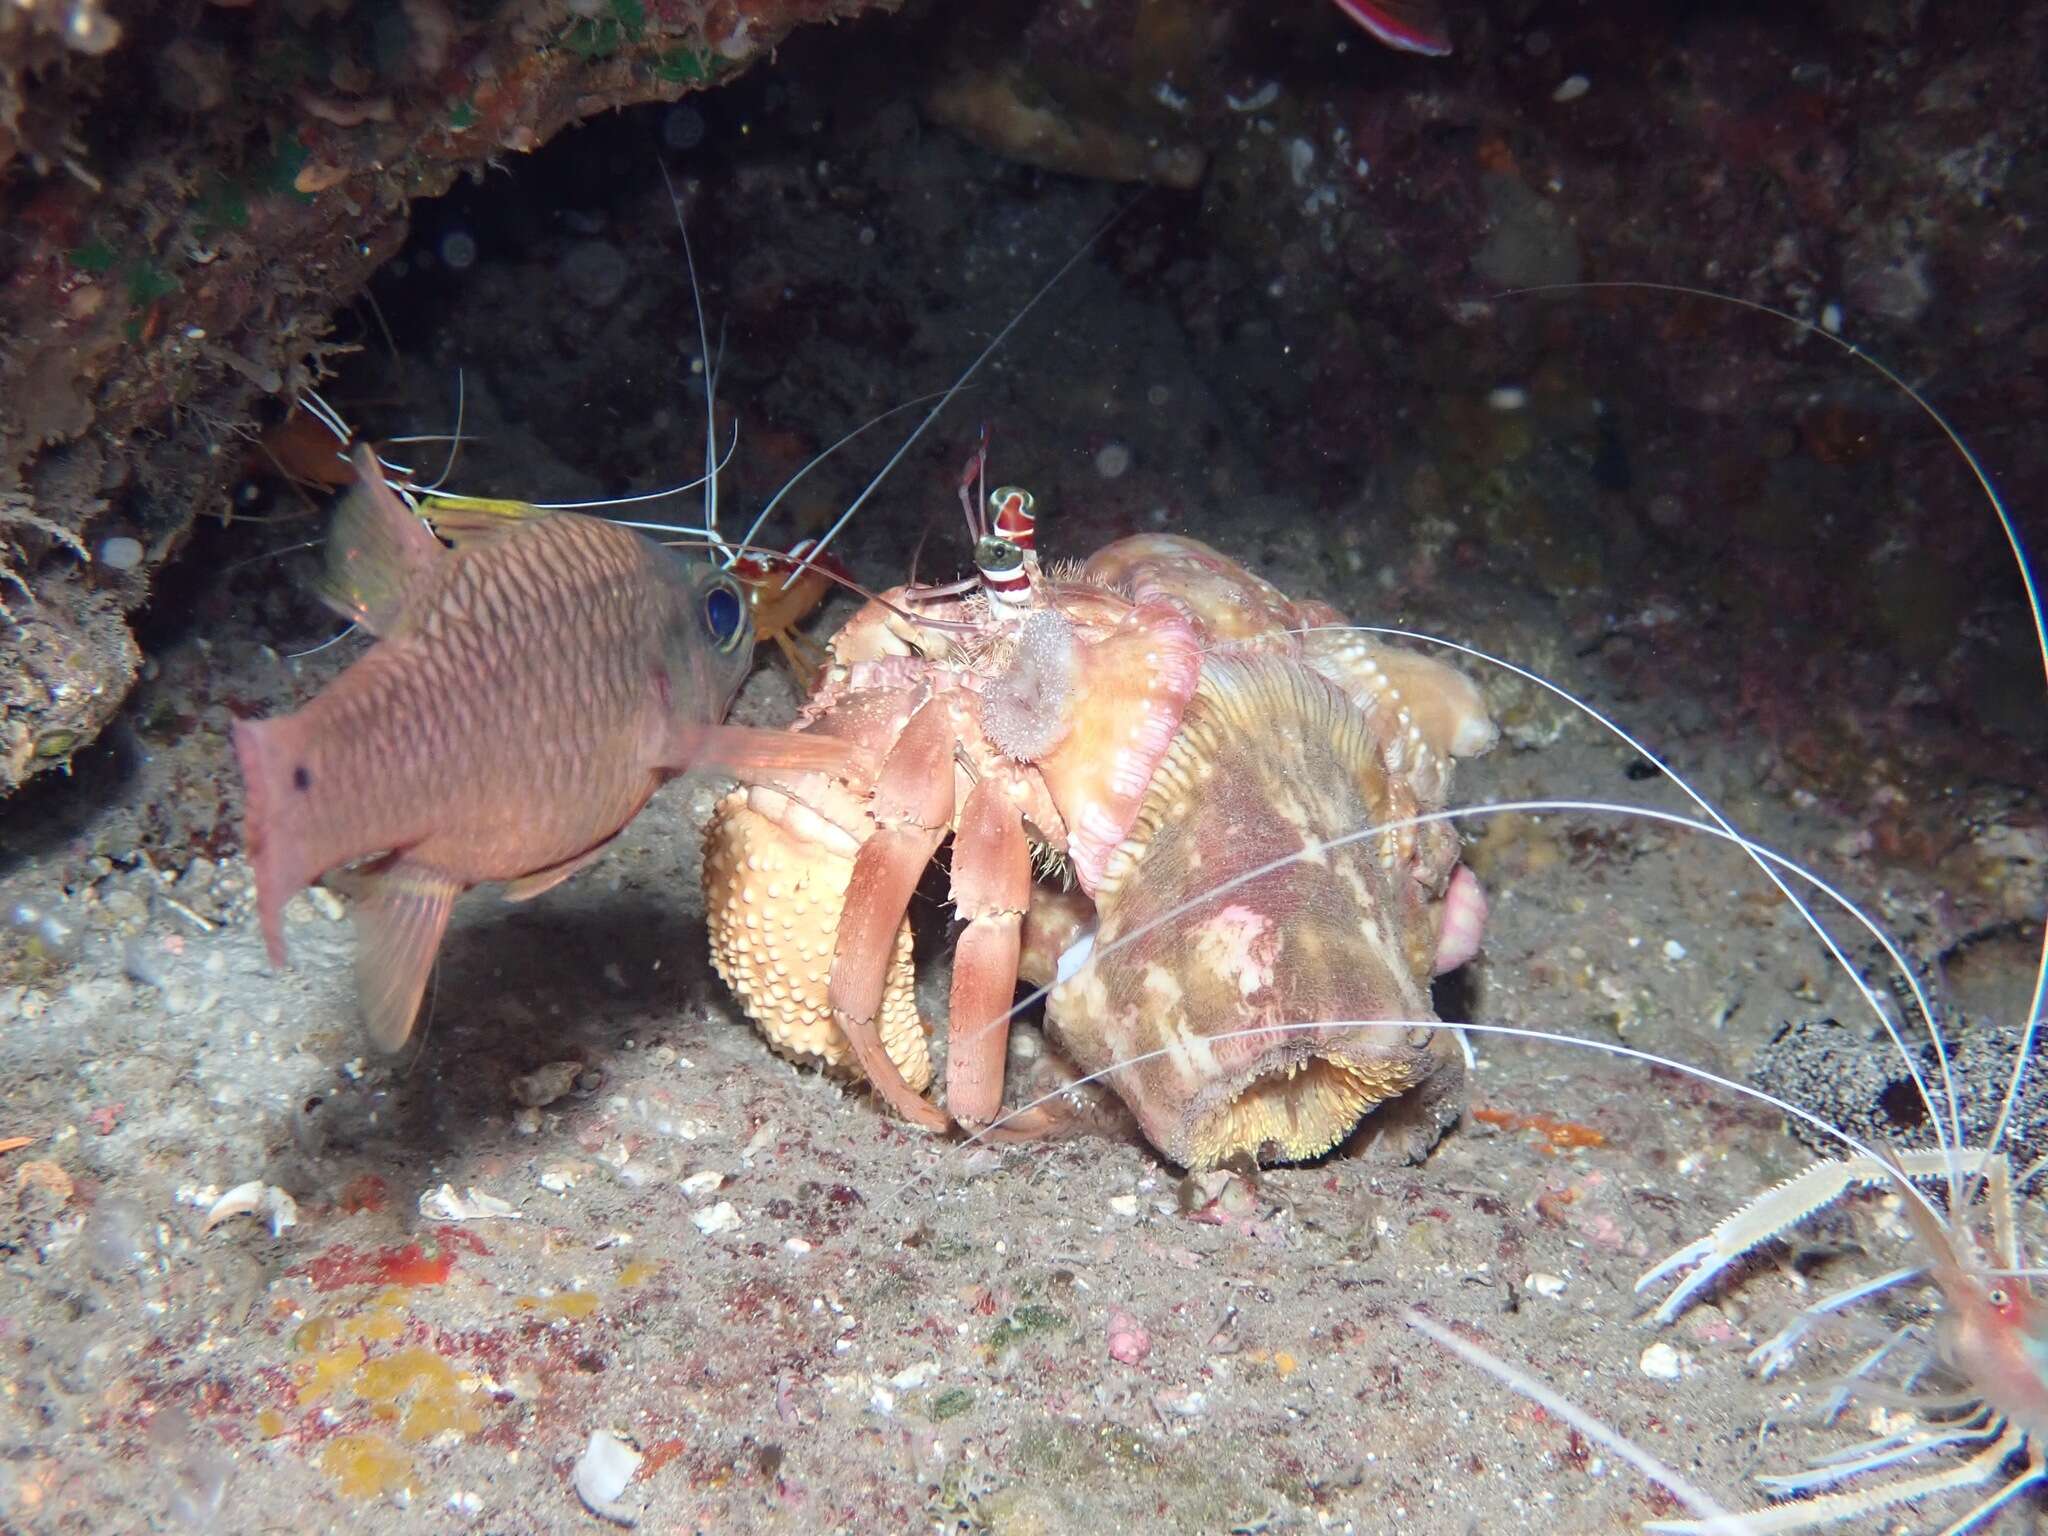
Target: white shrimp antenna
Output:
{"points": [[1717, 1520], [2032, 1029], [712, 464], [946, 399]]}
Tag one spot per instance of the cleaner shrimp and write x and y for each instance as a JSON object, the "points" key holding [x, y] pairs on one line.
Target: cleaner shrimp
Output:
{"points": [[1966, 1380]]}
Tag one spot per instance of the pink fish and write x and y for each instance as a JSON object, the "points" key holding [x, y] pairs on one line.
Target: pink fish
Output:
{"points": [[1415, 26], [529, 691]]}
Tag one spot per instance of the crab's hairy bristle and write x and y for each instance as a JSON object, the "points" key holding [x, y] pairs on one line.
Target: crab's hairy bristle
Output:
{"points": [[1297, 1111], [1050, 864]]}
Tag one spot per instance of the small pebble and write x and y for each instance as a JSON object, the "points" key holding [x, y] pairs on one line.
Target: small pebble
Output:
{"points": [[722, 1217], [121, 553], [1673, 950], [1545, 1285], [1129, 1340], [544, 1085], [1662, 1361], [702, 1183], [1123, 1205], [1573, 87]]}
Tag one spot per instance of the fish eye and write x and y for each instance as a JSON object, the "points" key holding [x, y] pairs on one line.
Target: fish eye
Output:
{"points": [[725, 615], [1999, 1297]]}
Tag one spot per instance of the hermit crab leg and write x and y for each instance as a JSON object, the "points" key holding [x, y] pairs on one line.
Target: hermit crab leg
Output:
{"points": [[912, 807], [991, 889]]}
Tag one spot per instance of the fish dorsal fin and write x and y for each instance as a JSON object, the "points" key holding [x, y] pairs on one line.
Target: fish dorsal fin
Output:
{"points": [[468, 521], [375, 548]]}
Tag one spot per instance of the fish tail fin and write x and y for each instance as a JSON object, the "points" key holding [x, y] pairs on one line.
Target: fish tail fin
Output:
{"points": [[401, 914], [272, 836], [750, 752]]}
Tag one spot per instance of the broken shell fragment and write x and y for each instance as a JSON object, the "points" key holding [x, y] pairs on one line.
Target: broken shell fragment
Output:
{"points": [[444, 1204], [601, 1474], [251, 1198], [722, 1217]]}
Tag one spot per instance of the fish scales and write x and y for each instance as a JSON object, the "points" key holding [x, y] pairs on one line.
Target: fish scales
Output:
{"points": [[520, 726]]}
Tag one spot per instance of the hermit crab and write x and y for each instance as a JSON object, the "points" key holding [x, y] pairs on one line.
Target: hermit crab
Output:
{"points": [[1150, 725]]}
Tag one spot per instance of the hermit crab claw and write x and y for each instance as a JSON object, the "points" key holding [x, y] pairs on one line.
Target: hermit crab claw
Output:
{"points": [[1207, 1025]]}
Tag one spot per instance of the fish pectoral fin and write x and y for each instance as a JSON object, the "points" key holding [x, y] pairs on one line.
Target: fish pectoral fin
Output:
{"points": [[526, 887], [374, 549], [401, 912], [751, 752]]}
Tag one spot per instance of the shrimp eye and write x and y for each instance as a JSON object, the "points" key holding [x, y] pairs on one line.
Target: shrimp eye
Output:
{"points": [[725, 614]]}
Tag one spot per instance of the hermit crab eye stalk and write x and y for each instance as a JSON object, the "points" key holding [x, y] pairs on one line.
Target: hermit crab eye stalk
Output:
{"points": [[1003, 577], [1013, 515], [725, 614]]}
